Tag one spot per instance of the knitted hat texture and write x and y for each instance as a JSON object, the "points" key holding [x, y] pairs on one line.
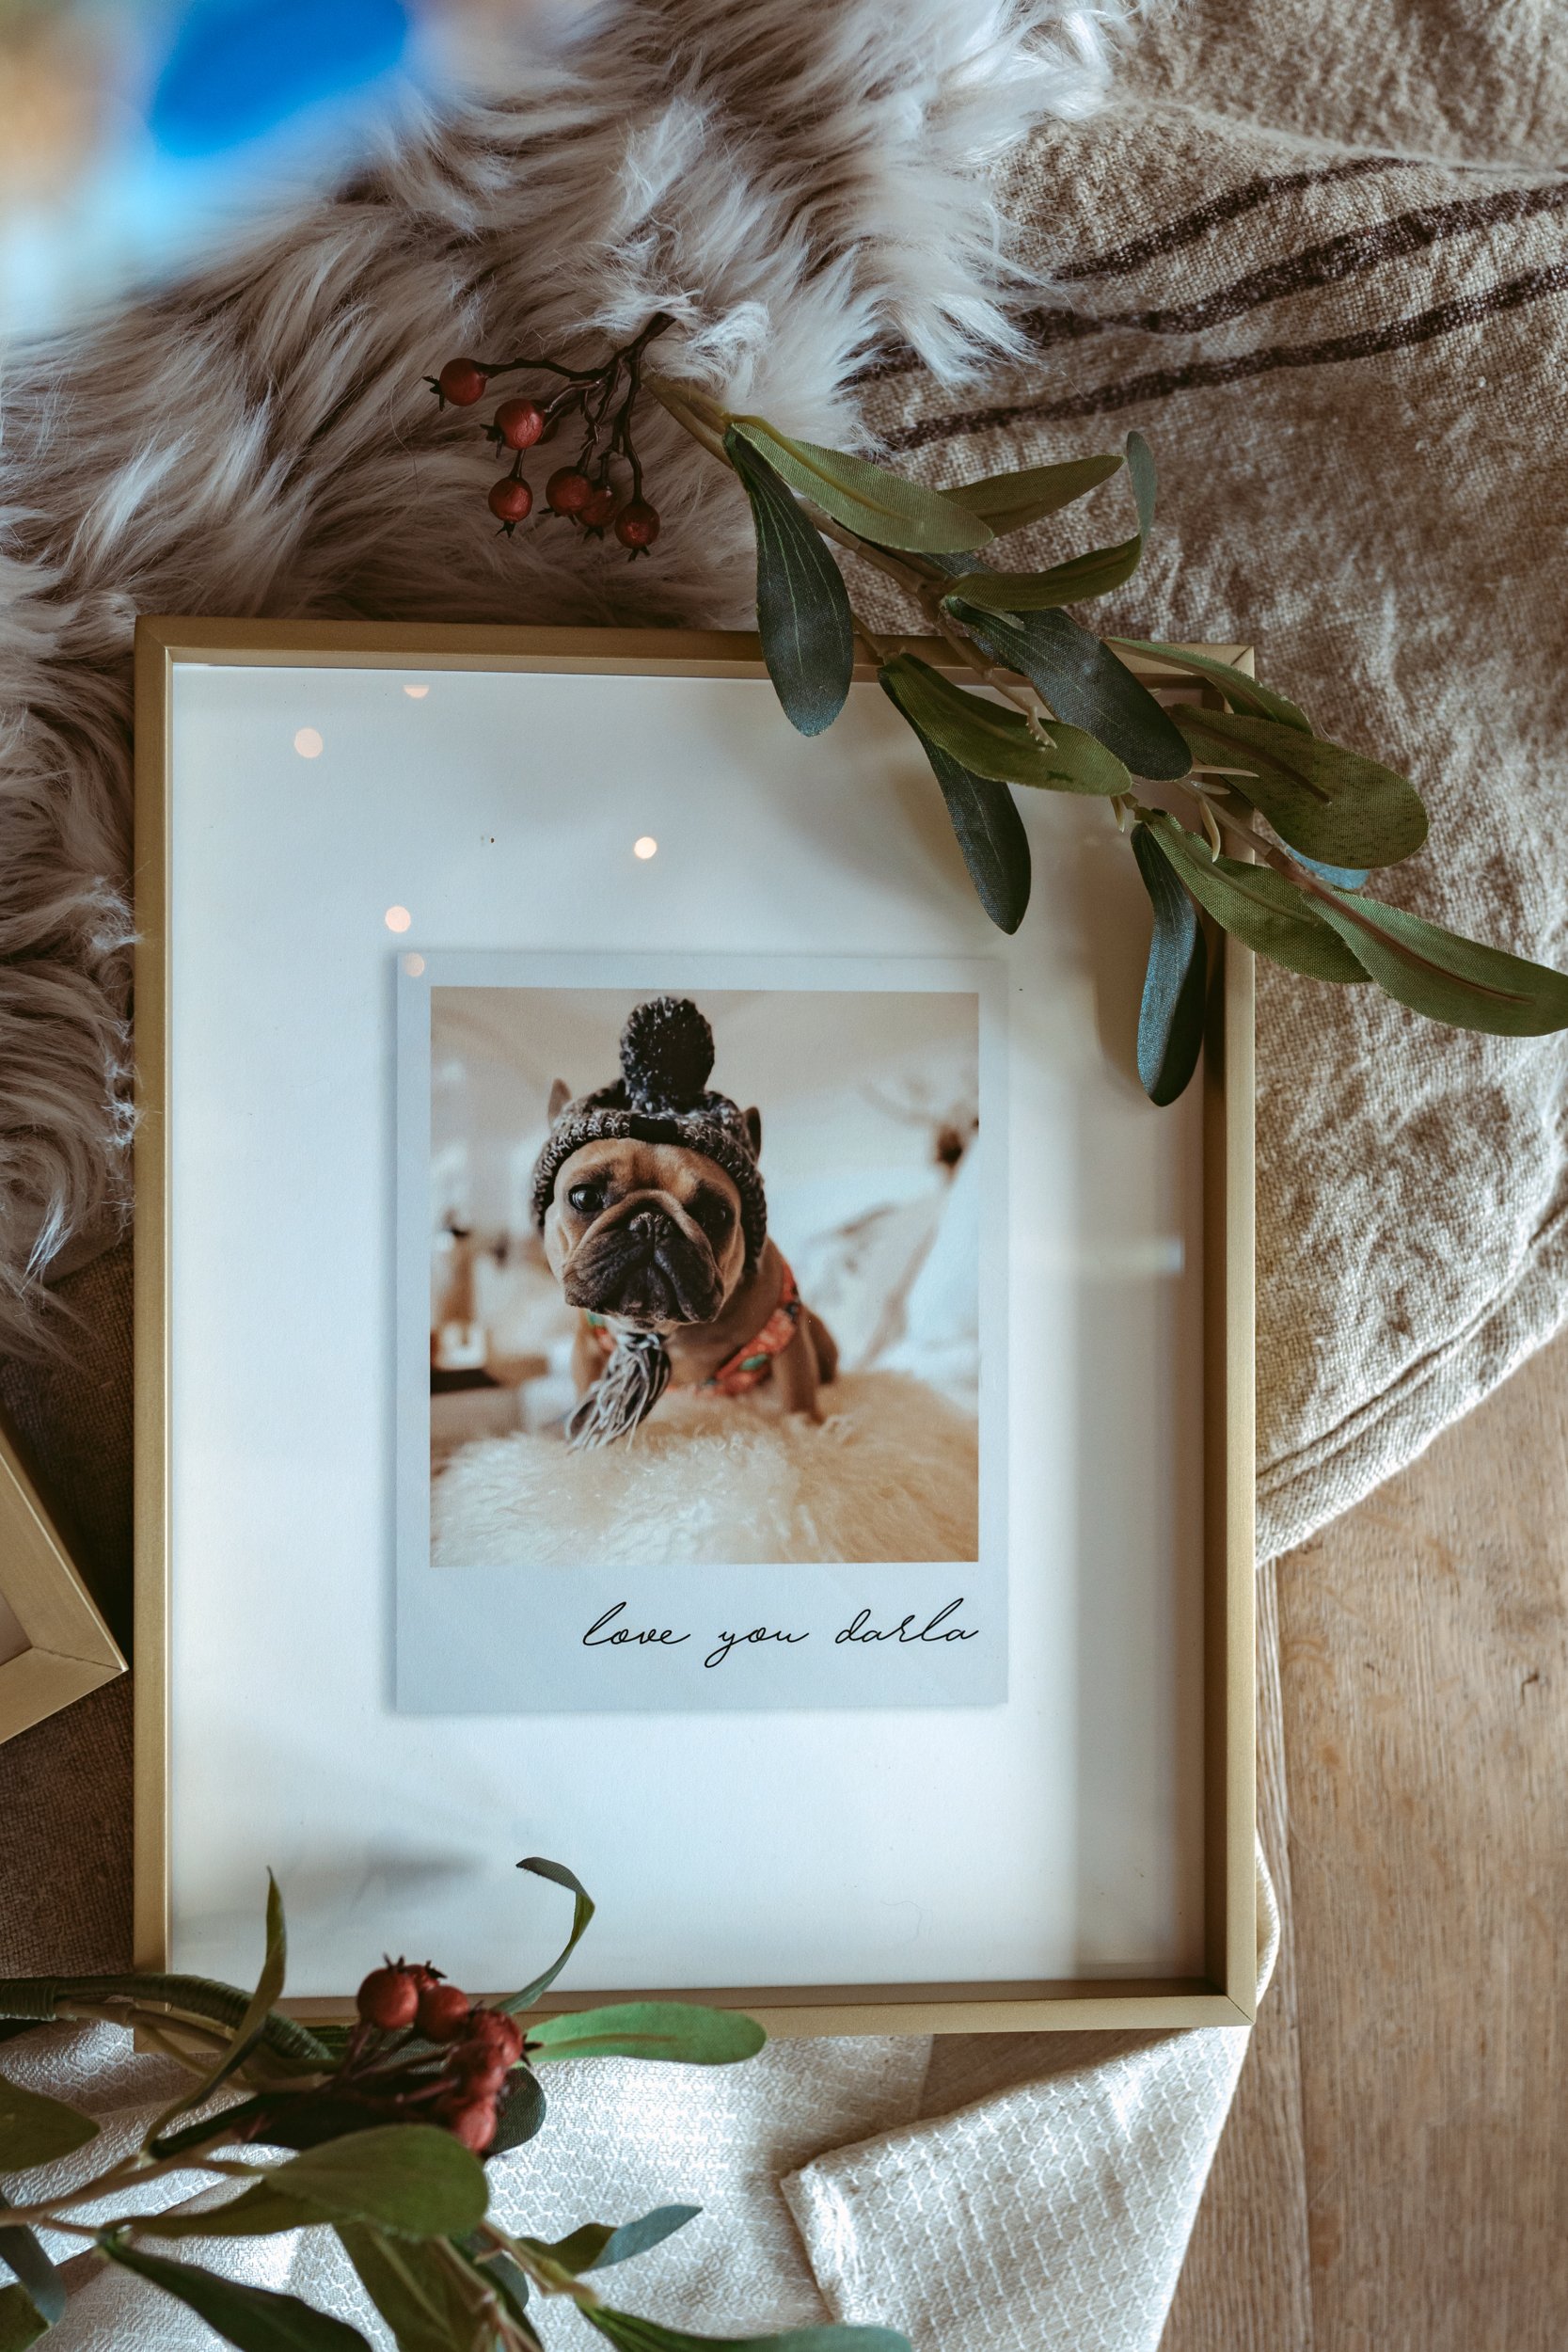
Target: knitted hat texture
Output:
{"points": [[662, 1096]]}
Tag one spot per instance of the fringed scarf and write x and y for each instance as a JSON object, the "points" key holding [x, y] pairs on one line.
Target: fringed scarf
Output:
{"points": [[625, 1394]]}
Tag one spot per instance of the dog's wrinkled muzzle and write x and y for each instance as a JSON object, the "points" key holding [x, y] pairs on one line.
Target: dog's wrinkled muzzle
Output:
{"points": [[641, 1265]]}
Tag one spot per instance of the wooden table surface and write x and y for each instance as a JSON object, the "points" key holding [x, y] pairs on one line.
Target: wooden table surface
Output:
{"points": [[1395, 2171]]}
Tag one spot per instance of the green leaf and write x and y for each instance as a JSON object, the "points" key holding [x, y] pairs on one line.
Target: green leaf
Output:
{"points": [[25, 2257], [1170, 1018], [36, 2130], [582, 1911], [1245, 692], [649, 2029], [645, 2335], [1010, 501], [1450, 978], [1092, 575], [411, 2287], [258, 2212], [522, 2112], [1260, 908], [808, 638], [253, 2318], [990, 741], [39, 1998], [248, 2032], [990, 833], [866, 498], [21, 2321], [1320, 798], [499, 2270], [1086, 684], [597, 2245], [409, 2178]]}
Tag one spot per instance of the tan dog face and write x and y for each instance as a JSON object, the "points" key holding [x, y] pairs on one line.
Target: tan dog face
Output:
{"points": [[647, 1232]]}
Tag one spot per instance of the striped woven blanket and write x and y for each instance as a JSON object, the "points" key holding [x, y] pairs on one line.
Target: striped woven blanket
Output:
{"points": [[1351, 361]]}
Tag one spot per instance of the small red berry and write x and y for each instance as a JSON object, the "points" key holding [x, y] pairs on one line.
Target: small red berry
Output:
{"points": [[511, 499], [482, 2072], [519, 423], [462, 382], [637, 525], [390, 1997], [443, 2013], [568, 491], [598, 508], [493, 2028], [473, 2124]]}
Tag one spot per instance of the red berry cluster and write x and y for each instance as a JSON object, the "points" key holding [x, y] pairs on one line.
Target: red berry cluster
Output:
{"points": [[482, 2046], [584, 493]]}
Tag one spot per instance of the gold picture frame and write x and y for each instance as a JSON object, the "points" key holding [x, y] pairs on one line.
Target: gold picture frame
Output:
{"points": [[55, 1647], [1223, 1992]]}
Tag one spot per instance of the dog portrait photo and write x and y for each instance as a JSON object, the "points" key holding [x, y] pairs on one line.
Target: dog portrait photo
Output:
{"points": [[700, 1289]]}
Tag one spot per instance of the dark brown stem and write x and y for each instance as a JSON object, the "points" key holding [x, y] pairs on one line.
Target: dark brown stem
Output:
{"points": [[657, 325]]}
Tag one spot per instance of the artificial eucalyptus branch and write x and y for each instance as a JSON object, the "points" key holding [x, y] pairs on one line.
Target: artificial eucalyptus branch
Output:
{"points": [[390, 2120], [1053, 706]]}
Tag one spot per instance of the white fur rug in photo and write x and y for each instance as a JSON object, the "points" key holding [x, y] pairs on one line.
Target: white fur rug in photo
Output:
{"points": [[891, 1474]]}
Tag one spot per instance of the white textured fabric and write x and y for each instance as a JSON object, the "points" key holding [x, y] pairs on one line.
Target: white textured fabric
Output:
{"points": [[622, 2137], [1050, 2218], [1054, 2215]]}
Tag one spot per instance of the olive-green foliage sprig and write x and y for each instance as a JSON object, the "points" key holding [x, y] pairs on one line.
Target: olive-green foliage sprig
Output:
{"points": [[1055, 707], [390, 2119]]}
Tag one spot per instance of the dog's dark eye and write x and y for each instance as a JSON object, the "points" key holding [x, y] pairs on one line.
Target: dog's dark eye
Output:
{"points": [[713, 1213], [585, 1199]]}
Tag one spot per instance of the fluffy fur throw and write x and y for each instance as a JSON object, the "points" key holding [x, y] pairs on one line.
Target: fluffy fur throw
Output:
{"points": [[891, 1474], [796, 184]]}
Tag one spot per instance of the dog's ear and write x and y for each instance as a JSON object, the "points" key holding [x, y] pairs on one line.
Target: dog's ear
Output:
{"points": [[753, 1128], [561, 1094]]}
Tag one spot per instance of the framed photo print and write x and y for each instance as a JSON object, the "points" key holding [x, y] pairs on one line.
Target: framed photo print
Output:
{"points": [[665, 1340], [695, 1558]]}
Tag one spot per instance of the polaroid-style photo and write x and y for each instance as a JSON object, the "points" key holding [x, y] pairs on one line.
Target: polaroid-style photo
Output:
{"points": [[695, 1306]]}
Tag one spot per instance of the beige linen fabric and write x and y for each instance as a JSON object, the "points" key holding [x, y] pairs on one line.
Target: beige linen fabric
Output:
{"points": [[1350, 367]]}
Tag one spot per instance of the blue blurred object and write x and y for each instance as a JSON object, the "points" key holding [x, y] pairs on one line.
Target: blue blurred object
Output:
{"points": [[240, 67], [1342, 877]]}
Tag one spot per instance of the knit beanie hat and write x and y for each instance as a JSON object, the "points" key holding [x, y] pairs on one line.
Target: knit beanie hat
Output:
{"points": [[662, 1097]]}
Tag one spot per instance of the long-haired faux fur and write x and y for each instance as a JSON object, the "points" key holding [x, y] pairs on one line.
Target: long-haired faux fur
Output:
{"points": [[795, 184], [890, 1474]]}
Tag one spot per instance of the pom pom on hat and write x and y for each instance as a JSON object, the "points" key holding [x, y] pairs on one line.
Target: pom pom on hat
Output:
{"points": [[666, 1055]]}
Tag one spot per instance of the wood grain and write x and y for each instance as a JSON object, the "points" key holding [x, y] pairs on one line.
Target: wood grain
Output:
{"points": [[1423, 1662], [1244, 2280]]}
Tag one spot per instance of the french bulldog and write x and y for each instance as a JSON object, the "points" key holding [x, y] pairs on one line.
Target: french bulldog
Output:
{"points": [[648, 1237]]}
